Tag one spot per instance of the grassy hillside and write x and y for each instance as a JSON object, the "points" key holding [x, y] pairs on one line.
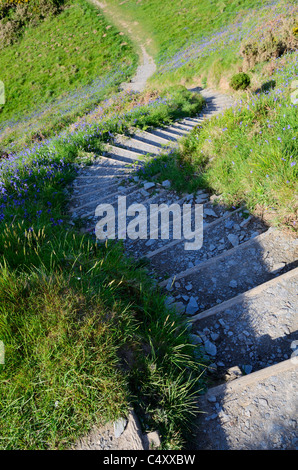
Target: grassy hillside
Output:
{"points": [[62, 68], [200, 42]]}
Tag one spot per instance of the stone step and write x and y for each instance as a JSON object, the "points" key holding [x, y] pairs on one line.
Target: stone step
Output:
{"points": [[186, 125], [181, 128], [133, 196], [147, 136], [96, 197], [105, 182], [170, 136], [222, 229], [137, 146], [255, 412], [176, 130], [122, 154], [252, 330], [161, 248], [234, 271], [194, 120]]}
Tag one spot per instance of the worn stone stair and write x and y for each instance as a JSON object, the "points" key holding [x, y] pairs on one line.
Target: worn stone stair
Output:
{"points": [[238, 292]]}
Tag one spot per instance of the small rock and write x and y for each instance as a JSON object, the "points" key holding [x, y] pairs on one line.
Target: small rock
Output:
{"points": [[179, 307], [233, 239], [166, 184], [210, 213], [245, 222], [169, 300], [210, 348], [192, 306], [149, 186], [119, 427], [233, 373], [233, 284], [229, 224], [195, 339], [247, 369], [214, 336], [201, 199], [254, 234], [154, 440], [169, 285], [211, 398], [277, 267], [188, 287], [263, 402]]}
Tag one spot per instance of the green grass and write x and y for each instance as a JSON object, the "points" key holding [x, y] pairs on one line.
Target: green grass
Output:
{"points": [[86, 332], [179, 29], [247, 154], [62, 68]]}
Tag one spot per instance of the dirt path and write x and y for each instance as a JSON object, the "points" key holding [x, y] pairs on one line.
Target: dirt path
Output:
{"points": [[147, 66]]}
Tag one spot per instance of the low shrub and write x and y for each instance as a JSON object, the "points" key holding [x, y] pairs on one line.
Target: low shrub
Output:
{"points": [[240, 81]]}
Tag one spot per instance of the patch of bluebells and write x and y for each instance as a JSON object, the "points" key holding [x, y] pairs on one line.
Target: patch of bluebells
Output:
{"points": [[24, 184]]}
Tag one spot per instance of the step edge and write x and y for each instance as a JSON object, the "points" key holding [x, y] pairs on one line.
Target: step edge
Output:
{"points": [[253, 378], [210, 261], [254, 292]]}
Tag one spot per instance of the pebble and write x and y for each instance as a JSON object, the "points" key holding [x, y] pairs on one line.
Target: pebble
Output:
{"points": [[119, 427], [210, 348], [149, 186], [210, 213], [192, 306], [233, 239], [211, 398], [166, 184]]}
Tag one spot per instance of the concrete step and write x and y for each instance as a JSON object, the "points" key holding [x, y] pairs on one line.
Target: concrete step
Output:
{"points": [[255, 412], [122, 154], [252, 330], [149, 137], [222, 229], [136, 145], [170, 136], [234, 271]]}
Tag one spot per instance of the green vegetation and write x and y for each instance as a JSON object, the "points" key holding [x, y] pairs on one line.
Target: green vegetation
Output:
{"points": [[247, 154], [200, 43], [16, 15], [240, 81], [86, 332], [62, 68]]}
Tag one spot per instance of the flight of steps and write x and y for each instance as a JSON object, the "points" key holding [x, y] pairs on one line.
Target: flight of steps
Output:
{"points": [[238, 292]]}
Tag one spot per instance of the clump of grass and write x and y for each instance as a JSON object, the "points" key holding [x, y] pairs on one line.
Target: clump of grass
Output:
{"points": [[240, 81]]}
